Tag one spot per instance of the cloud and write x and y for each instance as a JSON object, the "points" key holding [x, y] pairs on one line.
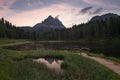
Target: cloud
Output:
{"points": [[1, 8], [22, 5], [89, 1], [98, 11], [85, 10], [104, 3], [36, 16], [57, 16], [26, 5], [90, 11], [1, 2], [66, 12], [96, 2], [6, 3], [4, 8]]}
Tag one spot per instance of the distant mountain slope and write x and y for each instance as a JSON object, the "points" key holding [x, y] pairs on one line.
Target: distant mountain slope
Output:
{"points": [[48, 25], [26, 28], [104, 17]]}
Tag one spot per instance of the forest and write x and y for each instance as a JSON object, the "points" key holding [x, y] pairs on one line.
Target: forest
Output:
{"points": [[99, 29], [7, 30]]}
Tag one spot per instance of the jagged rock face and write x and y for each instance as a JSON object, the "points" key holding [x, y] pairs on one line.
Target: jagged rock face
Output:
{"points": [[53, 22], [48, 25], [41, 28], [104, 17]]}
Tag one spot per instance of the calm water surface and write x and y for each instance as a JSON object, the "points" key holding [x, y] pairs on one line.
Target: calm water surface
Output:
{"points": [[52, 64]]}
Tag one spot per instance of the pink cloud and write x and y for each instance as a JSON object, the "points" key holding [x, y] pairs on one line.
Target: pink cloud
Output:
{"points": [[1, 2], [97, 2], [6, 3], [9, 3], [5, 11]]}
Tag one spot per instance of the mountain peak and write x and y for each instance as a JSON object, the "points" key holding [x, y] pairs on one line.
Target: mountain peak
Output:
{"points": [[104, 17], [50, 21], [50, 17], [48, 25]]}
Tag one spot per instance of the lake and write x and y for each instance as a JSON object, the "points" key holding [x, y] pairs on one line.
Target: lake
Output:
{"points": [[108, 50]]}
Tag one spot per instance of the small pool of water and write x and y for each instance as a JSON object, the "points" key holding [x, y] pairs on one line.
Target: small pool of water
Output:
{"points": [[52, 64]]}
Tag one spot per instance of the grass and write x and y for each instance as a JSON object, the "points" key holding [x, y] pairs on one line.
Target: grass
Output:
{"points": [[11, 42], [19, 65], [7, 41]]}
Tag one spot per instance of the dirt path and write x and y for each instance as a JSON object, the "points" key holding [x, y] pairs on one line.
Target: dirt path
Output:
{"points": [[108, 63]]}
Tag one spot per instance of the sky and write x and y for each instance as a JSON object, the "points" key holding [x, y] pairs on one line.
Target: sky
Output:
{"points": [[70, 12]]}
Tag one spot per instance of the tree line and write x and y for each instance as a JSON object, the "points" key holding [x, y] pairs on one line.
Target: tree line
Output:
{"points": [[108, 28], [7, 30], [98, 29]]}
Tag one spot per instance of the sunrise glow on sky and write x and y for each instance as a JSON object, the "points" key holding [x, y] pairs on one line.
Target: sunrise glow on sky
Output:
{"points": [[30, 12]]}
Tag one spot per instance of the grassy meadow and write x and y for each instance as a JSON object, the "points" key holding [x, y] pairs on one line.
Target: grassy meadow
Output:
{"points": [[19, 65]]}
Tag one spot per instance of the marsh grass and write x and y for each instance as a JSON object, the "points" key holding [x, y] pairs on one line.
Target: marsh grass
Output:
{"points": [[75, 67], [7, 41]]}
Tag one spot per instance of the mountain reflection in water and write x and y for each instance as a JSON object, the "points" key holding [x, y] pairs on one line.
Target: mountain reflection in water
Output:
{"points": [[53, 64]]}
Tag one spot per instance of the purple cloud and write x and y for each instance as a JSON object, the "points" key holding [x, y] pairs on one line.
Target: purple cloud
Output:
{"points": [[85, 10], [1, 8], [98, 11], [91, 10]]}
